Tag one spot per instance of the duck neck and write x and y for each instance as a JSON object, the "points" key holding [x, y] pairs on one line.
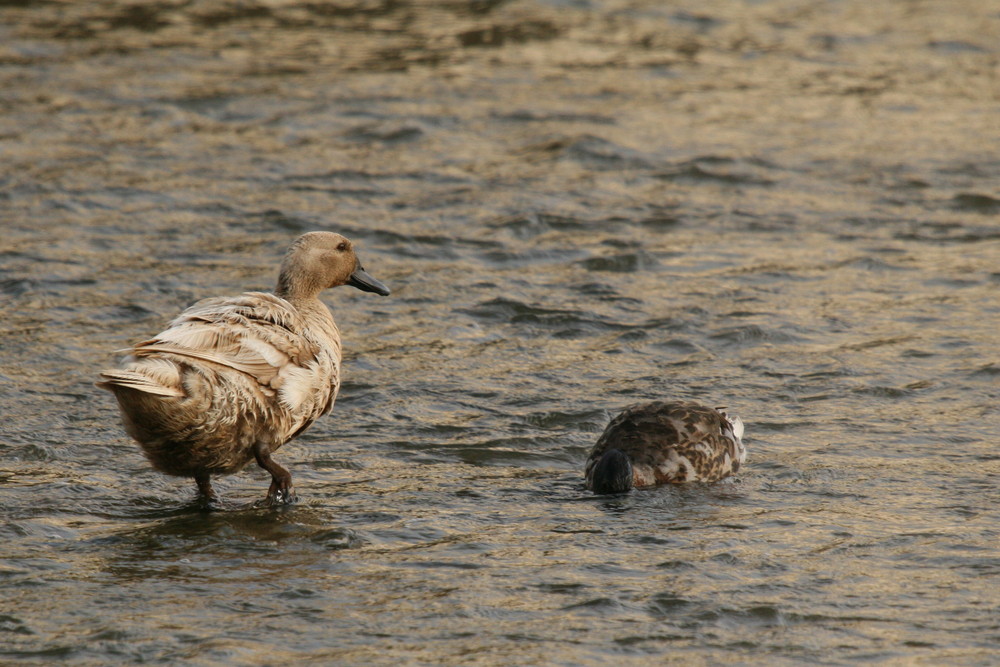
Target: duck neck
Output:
{"points": [[297, 289]]}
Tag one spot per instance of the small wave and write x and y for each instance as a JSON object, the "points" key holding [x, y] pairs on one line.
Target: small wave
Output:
{"points": [[516, 258], [568, 321], [384, 133], [876, 342], [750, 334], [591, 151], [528, 116], [338, 538], [989, 370], [531, 225], [975, 202], [720, 170], [956, 46], [630, 262], [497, 35]]}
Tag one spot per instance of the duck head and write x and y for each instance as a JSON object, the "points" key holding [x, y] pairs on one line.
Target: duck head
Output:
{"points": [[319, 260]]}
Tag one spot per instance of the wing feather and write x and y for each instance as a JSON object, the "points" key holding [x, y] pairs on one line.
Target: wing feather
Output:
{"points": [[255, 333]]}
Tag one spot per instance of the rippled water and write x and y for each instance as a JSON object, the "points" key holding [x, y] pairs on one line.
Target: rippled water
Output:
{"points": [[786, 208]]}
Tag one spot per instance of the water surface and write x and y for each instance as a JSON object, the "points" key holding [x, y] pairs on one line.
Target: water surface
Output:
{"points": [[789, 209]]}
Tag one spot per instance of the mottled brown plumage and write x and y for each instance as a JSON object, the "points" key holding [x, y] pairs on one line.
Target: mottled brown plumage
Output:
{"points": [[232, 379], [665, 443]]}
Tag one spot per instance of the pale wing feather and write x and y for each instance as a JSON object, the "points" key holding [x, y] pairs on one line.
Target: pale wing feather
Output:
{"points": [[209, 342], [294, 357], [255, 333], [151, 376], [139, 382]]}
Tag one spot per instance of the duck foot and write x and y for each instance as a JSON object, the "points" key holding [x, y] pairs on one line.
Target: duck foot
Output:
{"points": [[206, 494], [280, 497], [280, 492]]}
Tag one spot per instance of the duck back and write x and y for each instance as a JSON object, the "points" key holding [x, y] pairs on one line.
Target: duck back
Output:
{"points": [[669, 443]]}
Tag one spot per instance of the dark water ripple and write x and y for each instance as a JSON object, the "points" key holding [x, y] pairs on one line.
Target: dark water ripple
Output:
{"points": [[786, 209]]}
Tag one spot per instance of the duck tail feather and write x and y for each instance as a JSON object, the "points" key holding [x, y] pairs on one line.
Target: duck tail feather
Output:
{"points": [[137, 381], [737, 426]]}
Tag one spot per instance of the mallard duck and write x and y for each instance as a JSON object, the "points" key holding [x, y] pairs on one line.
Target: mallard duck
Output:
{"points": [[665, 442], [232, 379]]}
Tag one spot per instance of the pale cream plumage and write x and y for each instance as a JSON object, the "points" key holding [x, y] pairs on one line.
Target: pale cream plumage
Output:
{"points": [[233, 378]]}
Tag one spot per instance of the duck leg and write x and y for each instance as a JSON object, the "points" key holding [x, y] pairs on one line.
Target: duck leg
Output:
{"points": [[205, 490], [281, 491]]}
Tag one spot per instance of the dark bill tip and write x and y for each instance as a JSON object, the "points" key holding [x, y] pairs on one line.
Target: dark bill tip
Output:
{"points": [[366, 283]]}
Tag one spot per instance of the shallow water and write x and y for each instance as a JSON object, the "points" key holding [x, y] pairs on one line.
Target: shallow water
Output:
{"points": [[785, 208]]}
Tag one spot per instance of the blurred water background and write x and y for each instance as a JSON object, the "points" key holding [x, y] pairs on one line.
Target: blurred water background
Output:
{"points": [[786, 207]]}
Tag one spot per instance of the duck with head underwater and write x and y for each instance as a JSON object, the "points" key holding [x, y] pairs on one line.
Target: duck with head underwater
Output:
{"points": [[665, 442], [232, 379]]}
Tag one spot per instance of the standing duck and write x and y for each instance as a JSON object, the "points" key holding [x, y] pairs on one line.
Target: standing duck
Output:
{"points": [[665, 442], [232, 379]]}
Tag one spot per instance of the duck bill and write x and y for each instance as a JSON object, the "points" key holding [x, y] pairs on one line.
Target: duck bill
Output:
{"points": [[366, 283]]}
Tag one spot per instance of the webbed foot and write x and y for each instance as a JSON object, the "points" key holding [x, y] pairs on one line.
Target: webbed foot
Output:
{"points": [[280, 492]]}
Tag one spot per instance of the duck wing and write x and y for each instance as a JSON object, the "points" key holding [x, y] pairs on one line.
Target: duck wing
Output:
{"points": [[262, 336]]}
